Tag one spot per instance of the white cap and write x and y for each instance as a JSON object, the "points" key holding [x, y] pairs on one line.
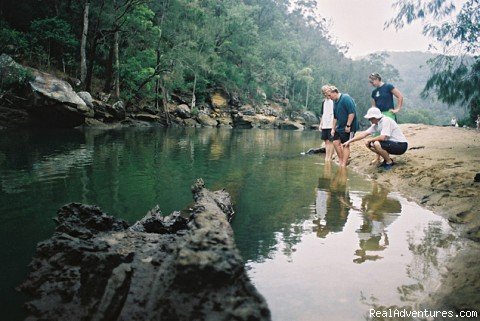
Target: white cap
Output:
{"points": [[373, 112]]}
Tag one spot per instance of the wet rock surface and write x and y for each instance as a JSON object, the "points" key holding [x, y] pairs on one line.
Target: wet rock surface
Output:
{"points": [[184, 266], [46, 100]]}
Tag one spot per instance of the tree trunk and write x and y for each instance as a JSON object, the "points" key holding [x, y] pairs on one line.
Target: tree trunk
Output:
{"points": [[194, 99], [157, 85], [165, 101], [109, 70], [308, 91], [92, 53], [116, 69], [83, 53]]}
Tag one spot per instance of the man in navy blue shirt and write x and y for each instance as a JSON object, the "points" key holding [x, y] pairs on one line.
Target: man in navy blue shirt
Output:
{"points": [[344, 123], [382, 96]]}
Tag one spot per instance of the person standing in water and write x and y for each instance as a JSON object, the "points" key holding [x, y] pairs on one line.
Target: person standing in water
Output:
{"points": [[326, 123], [345, 123]]}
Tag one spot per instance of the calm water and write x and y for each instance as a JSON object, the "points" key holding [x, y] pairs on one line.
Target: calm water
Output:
{"points": [[319, 243]]}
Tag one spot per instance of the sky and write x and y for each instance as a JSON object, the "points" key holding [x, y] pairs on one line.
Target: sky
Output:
{"points": [[359, 23]]}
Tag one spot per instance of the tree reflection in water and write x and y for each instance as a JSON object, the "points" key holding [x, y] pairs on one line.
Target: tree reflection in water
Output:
{"points": [[430, 249]]}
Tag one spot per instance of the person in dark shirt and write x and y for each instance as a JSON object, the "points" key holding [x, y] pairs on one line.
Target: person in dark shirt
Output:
{"points": [[382, 98], [345, 123]]}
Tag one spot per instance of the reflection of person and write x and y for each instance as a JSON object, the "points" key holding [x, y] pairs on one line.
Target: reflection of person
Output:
{"points": [[390, 139], [326, 123], [379, 211], [344, 123], [332, 203]]}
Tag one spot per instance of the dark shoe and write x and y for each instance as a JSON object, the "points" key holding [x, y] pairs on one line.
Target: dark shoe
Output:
{"points": [[386, 166]]}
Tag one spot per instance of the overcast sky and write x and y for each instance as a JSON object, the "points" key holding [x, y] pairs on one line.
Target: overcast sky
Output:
{"points": [[359, 23]]}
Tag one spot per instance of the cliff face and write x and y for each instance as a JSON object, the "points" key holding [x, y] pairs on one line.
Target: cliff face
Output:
{"points": [[184, 266]]}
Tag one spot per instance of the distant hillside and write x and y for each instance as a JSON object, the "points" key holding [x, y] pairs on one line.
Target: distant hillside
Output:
{"points": [[414, 73]]}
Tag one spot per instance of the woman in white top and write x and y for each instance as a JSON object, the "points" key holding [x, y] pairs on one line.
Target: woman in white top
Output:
{"points": [[326, 123]]}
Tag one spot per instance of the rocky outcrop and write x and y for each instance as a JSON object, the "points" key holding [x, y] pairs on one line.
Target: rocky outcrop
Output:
{"points": [[184, 266], [289, 125], [40, 99], [206, 121], [46, 99]]}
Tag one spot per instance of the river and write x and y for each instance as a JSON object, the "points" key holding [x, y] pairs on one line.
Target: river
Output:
{"points": [[319, 243]]}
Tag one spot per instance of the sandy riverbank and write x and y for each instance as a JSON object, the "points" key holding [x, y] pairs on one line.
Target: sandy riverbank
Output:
{"points": [[438, 172]]}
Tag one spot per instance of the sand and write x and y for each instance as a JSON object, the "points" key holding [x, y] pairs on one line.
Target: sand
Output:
{"points": [[438, 172]]}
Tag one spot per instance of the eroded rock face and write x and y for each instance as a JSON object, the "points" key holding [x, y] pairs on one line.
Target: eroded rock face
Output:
{"points": [[48, 101], [181, 267]]}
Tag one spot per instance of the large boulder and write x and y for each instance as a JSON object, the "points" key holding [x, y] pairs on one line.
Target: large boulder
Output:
{"points": [[206, 121], [86, 97], [184, 266], [310, 117], [182, 111], [48, 100], [289, 125]]}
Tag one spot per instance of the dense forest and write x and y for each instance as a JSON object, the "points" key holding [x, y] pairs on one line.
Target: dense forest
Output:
{"points": [[144, 51]]}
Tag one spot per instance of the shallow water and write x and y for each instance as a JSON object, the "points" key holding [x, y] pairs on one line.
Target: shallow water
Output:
{"points": [[320, 243]]}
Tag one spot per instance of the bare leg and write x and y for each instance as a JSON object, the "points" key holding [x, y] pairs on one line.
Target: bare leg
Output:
{"points": [[377, 148], [339, 149], [346, 155], [328, 150]]}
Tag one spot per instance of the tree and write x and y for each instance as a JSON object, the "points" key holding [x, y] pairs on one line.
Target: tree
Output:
{"points": [[83, 54], [456, 73], [55, 36]]}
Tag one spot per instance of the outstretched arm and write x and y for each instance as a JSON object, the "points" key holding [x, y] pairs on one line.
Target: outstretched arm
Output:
{"points": [[360, 136]]}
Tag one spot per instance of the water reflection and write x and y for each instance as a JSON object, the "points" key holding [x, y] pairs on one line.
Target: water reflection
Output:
{"points": [[126, 172], [332, 203], [430, 246], [379, 211]]}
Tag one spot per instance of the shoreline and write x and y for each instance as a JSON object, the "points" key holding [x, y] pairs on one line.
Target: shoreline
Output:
{"points": [[437, 172]]}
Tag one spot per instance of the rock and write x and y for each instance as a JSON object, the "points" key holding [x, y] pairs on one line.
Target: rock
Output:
{"points": [[257, 121], [184, 266], [189, 122], [11, 117], [130, 122], [477, 178], [290, 125], [225, 122], [219, 100], [182, 111], [117, 110], [310, 117], [312, 151], [147, 117], [247, 110], [86, 97], [49, 101], [206, 121]]}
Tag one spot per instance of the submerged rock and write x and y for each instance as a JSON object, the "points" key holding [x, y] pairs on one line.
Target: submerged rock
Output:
{"points": [[181, 267]]}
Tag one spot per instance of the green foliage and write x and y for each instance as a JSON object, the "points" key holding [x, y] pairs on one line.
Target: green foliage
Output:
{"points": [[54, 39], [456, 73], [281, 48], [12, 42]]}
